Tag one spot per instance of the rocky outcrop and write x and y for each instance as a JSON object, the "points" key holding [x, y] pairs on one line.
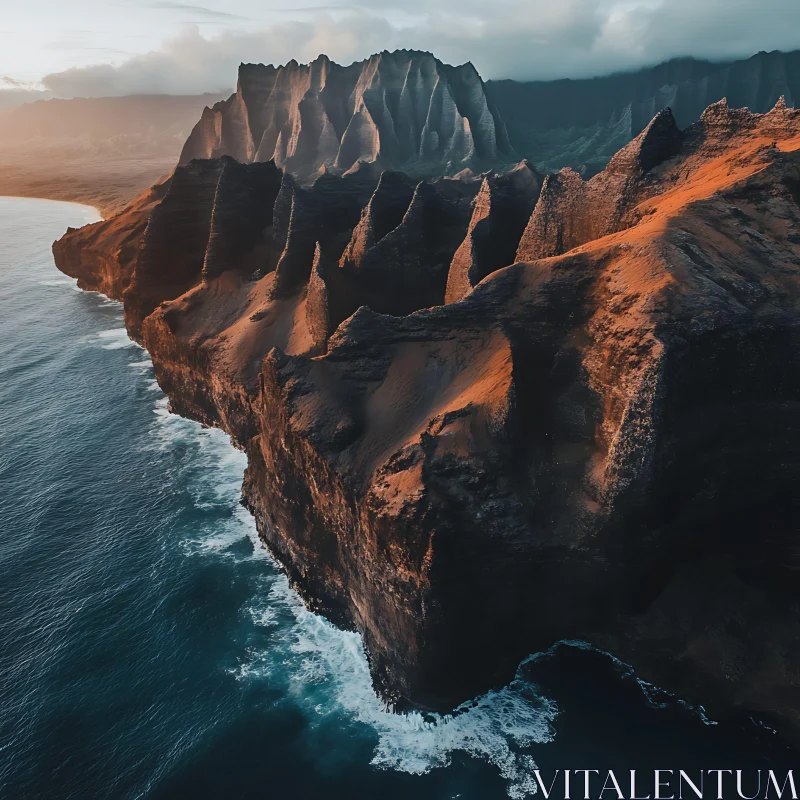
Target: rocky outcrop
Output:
{"points": [[243, 204], [403, 110], [572, 211], [660, 140], [321, 297], [326, 214], [383, 213], [173, 247], [597, 442], [406, 269], [103, 256], [501, 211]]}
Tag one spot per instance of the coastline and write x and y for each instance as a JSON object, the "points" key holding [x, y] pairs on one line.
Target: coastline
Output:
{"points": [[150, 513], [94, 207], [390, 470], [98, 206], [109, 186], [412, 743]]}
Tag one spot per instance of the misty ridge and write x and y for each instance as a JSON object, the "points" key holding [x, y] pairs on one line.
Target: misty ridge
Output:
{"points": [[555, 123], [105, 150]]}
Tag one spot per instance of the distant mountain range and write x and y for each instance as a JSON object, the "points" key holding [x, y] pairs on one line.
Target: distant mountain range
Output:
{"points": [[582, 123], [149, 123], [404, 110], [407, 110], [102, 151]]}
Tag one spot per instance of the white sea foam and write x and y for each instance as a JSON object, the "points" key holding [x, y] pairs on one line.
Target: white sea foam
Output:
{"points": [[143, 365], [324, 669], [265, 617], [655, 696], [65, 281], [115, 339], [332, 676]]}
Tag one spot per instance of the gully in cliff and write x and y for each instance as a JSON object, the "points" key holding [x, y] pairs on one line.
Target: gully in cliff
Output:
{"points": [[484, 414]]}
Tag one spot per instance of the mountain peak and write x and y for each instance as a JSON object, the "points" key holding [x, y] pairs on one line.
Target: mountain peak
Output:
{"points": [[403, 109], [660, 140]]}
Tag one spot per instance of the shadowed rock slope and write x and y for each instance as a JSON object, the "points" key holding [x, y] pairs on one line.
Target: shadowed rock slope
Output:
{"points": [[582, 123], [600, 441], [403, 110]]}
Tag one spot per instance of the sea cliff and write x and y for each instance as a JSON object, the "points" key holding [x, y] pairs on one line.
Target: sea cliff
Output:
{"points": [[484, 415]]}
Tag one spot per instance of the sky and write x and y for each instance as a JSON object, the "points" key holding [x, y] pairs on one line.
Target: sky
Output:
{"points": [[95, 48]]}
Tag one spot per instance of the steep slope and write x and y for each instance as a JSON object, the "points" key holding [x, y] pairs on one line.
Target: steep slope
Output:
{"points": [[501, 211], [103, 256], [599, 442], [572, 211], [403, 110]]}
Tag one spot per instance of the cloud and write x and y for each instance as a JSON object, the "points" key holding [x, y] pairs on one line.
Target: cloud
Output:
{"points": [[14, 92], [523, 39], [191, 63], [199, 10], [8, 83]]}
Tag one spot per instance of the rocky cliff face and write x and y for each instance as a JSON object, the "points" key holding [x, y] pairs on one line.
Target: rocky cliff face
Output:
{"points": [[403, 110], [103, 256], [501, 211], [407, 111], [467, 459], [572, 211]]}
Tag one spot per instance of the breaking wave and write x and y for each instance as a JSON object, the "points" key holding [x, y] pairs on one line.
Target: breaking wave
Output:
{"points": [[324, 669]]}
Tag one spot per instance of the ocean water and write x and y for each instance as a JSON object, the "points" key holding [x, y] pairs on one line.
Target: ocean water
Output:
{"points": [[150, 647]]}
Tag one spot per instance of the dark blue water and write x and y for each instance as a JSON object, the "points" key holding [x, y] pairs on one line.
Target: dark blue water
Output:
{"points": [[149, 647]]}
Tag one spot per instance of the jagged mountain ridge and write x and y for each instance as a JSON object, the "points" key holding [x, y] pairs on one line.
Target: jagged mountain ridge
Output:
{"points": [[106, 150], [582, 123], [71, 149], [594, 442], [388, 242], [408, 111], [403, 110]]}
